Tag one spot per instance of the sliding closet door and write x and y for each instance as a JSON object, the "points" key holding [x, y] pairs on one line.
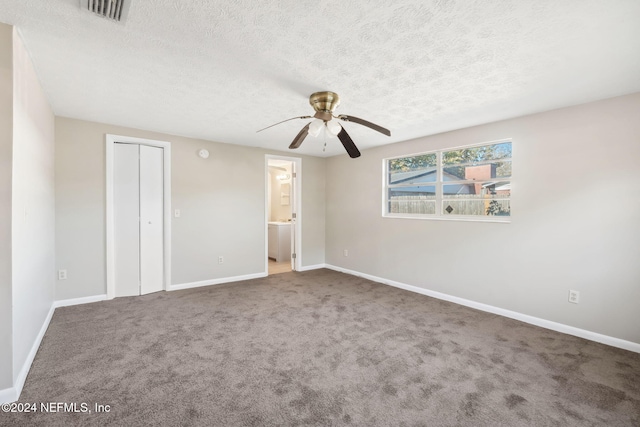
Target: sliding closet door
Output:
{"points": [[126, 212], [138, 219], [151, 220]]}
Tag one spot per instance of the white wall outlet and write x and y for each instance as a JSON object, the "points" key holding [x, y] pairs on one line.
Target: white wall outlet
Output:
{"points": [[220, 259], [62, 274], [346, 252], [176, 213], [574, 297]]}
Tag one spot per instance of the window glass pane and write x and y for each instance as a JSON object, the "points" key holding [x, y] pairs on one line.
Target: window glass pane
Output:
{"points": [[486, 189], [425, 191], [470, 181], [412, 170], [478, 207], [478, 171], [412, 200], [477, 154]]}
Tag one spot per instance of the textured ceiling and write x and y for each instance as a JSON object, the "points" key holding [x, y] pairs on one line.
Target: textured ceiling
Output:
{"points": [[221, 69]]}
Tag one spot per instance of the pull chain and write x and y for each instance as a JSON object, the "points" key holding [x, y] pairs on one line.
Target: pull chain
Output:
{"points": [[325, 140]]}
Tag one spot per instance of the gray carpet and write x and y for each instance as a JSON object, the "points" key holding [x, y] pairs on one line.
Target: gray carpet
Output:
{"points": [[320, 348]]}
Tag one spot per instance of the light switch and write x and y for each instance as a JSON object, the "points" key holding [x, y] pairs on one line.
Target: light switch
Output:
{"points": [[177, 213]]}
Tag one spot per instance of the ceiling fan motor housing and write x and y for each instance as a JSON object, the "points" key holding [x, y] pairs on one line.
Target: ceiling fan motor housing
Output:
{"points": [[324, 101]]}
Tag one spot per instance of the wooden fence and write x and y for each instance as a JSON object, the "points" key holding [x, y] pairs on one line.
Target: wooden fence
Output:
{"points": [[460, 204]]}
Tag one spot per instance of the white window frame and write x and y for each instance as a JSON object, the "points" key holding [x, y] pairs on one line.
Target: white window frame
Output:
{"points": [[439, 183]]}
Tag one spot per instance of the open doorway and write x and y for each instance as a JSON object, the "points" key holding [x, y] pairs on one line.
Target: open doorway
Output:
{"points": [[282, 214]]}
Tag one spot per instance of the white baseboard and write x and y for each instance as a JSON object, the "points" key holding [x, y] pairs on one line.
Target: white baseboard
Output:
{"points": [[78, 301], [12, 394], [215, 281], [312, 267], [547, 324]]}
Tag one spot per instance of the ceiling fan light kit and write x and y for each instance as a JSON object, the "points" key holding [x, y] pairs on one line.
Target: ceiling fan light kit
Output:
{"points": [[325, 103], [333, 128], [315, 127]]}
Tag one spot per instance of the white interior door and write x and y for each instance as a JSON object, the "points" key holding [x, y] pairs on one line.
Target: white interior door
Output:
{"points": [[138, 219], [151, 220], [294, 215], [126, 213]]}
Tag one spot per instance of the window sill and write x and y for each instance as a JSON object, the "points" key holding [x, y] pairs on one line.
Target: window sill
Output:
{"points": [[503, 220]]}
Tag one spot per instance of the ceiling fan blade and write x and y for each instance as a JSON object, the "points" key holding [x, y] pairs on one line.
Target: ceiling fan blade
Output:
{"points": [[346, 140], [292, 118], [365, 123], [299, 137]]}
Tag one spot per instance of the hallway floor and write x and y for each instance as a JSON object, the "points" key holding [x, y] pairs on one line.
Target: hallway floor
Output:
{"points": [[278, 267]]}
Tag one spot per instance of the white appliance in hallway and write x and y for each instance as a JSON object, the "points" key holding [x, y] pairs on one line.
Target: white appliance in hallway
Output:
{"points": [[279, 241], [138, 219]]}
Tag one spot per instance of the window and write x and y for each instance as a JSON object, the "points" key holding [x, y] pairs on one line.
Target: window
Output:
{"points": [[467, 182]]}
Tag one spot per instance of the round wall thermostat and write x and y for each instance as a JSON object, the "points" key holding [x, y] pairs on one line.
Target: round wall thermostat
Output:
{"points": [[203, 153]]}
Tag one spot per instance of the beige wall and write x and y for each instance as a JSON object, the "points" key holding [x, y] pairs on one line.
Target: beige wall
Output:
{"points": [[221, 199], [6, 166], [33, 205], [313, 211], [26, 212], [575, 223]]}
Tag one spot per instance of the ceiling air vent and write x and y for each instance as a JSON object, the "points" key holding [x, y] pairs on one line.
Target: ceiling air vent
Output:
{"points": [[115, 10]]}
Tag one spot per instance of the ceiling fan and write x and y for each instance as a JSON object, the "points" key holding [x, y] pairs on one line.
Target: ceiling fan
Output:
{"points": [[325, 103]]}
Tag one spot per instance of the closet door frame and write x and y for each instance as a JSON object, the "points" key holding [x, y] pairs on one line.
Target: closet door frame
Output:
{"points": [[111, 140]]}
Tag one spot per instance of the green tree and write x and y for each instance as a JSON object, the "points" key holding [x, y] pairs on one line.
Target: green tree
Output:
{"points": [[407, 164], [496, 209], [477, 154], [459, 159]]}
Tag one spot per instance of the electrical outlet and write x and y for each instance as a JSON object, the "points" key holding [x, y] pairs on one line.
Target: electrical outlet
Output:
{"points": [[574, 297], [346, 252], [62, 274], [220, 260]]}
